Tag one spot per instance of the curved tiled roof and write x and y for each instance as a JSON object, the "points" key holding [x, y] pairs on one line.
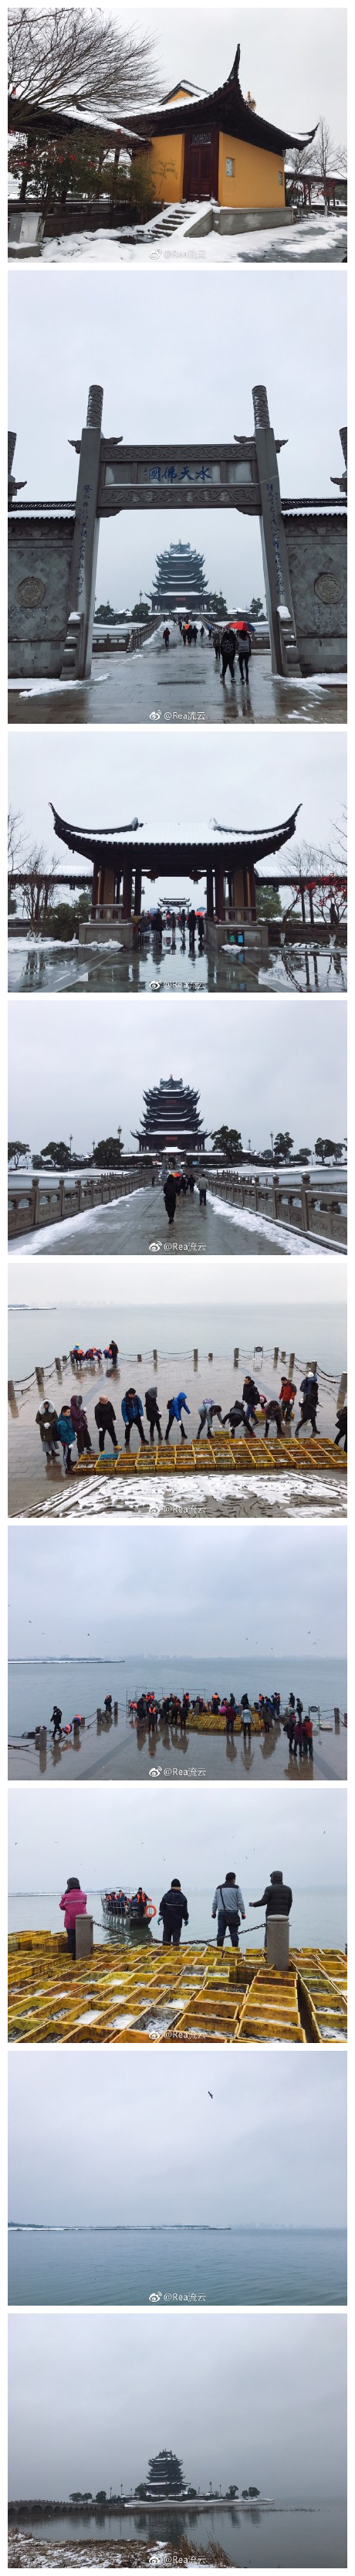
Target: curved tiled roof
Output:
{"points": [[256, 844], [225, 107]]}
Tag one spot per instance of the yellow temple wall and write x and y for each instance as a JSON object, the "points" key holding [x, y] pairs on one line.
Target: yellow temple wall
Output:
{"points": [[166, 167], [258, 177]]}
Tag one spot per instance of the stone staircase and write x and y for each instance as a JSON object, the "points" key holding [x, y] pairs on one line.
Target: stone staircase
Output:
{"points": [[170, 220]]}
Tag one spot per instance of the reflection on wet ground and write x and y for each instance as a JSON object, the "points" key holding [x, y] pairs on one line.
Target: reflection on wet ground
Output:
{"points": [[160, 967], [120, 1749], [183, 686], [138, 1223]]}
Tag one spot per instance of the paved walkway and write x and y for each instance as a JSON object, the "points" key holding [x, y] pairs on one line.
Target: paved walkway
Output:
{"points": [[182, 686], [37, 968], [139, 1224]]}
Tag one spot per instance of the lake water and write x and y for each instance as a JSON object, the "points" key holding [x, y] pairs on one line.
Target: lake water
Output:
{"points": [[318, 1917], [36, 1332], [122, 1753], [288, 2536], [123, 2265]]}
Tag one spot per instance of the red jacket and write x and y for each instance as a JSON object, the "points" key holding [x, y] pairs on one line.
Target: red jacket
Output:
{"points": [[74, 1902]]}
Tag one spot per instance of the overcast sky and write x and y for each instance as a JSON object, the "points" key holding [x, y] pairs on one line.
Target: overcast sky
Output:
{"points": [[257, 2132], [265, 2403], [177, 357], [182, 784], [292, 60], [281, 1590], [270, 1067], [115, 1831], [298, 1285]]}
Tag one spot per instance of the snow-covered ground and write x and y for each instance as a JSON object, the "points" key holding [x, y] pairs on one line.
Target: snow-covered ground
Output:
{"points": [[244, 1497], [316, 238]]}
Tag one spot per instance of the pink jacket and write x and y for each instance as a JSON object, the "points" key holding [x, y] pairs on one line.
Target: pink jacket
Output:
{"points": [[73, 1903]]}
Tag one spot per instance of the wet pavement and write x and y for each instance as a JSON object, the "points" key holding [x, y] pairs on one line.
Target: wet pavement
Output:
{"points": [[139, 1224], [36, 1487], [159, 968], [123, 1751], [182, 686]]}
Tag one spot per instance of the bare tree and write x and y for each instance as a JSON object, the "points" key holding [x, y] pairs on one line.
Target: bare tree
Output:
{"points": [[328, 157], [79, 57], [328, 896], [27, 868]]}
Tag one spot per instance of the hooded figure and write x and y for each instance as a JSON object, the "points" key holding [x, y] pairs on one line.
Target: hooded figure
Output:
{"points": [[176, 1405], [80, 1423]]}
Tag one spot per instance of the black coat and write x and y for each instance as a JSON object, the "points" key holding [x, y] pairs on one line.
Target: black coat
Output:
{"points": [[173, 1907], [104, 1416]]}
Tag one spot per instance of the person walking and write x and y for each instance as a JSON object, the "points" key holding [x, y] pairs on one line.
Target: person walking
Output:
{"points": [[206, 1412], [72, 1903], [287, 1397], [191, 924], [152, 1413], [56, 1721], [216, 640], [310, 1401], [166, 637], [80, 1424], [273, 1414], [105, 1418], [251, 1397], [244, 652], [202, 1189], [230, 1713], [169, 1194], [113, 1349], [228, 652], [177, 1404], [229, 1906], [342, 1431], [66, 1435], [173, 1912], [132, 1412]]}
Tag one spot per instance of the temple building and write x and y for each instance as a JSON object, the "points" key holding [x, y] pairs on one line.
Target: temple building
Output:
{"points": [[180, 581], [171, 1123], [165, 2477], [195, 144], [215, 145], [224, 864]]}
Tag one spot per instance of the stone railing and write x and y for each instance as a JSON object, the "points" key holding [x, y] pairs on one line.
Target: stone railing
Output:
{"points": [[306, 1206], [45, 1202]]}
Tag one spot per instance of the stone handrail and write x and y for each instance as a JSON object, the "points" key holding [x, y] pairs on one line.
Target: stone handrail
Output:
{"points": [[45, 1202], [306, 1206]]}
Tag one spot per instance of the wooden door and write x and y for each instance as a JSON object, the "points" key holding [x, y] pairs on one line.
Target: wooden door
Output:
{"points": [[201, 164]]}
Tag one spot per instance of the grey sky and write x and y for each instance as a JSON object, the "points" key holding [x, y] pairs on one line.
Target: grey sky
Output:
{"points": [[272, 1588], [292, 60], [287, 2430], [294, 1285], [269, 1067], [177, 357], [254, 2132], [120, 1831], [180, 784]]}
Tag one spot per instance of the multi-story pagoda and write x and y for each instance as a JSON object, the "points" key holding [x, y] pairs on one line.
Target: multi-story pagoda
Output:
{"points": [[171, 1121], [165, 2476], [180, 581]]}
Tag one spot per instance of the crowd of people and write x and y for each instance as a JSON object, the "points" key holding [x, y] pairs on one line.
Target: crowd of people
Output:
{"points": [[66, 1426], [264, 1712], [228, 1908]]}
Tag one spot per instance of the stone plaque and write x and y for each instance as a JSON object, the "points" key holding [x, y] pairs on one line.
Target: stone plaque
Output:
{"points": [[327, 587], [30, 592]]}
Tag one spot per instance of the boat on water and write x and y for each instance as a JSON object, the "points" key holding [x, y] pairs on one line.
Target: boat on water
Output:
{"points": [[121, 1905]]}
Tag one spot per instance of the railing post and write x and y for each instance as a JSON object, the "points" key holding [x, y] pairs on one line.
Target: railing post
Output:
{"points": [[306, 1210], [39, 1374]]}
